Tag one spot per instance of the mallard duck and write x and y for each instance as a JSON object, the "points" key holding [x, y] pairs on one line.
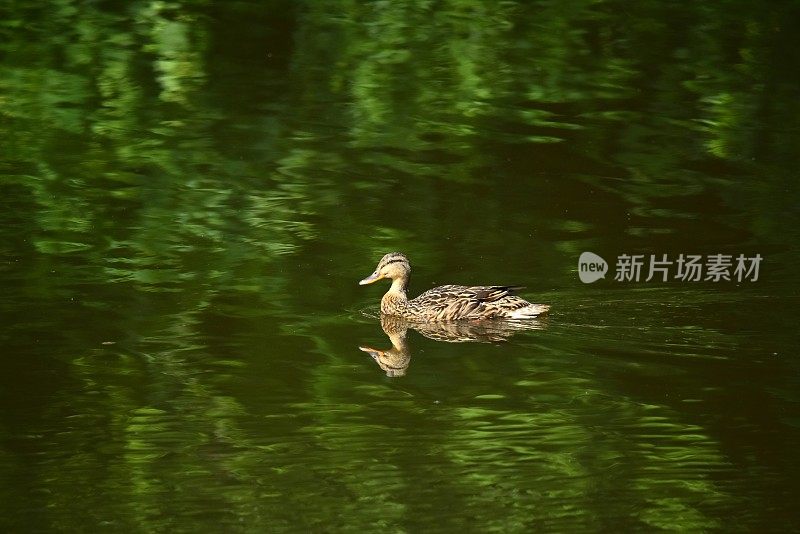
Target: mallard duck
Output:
{"points": [[450, 302]]}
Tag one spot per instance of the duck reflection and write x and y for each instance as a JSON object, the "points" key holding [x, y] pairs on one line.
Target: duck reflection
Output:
{"points": [[395, 360]]}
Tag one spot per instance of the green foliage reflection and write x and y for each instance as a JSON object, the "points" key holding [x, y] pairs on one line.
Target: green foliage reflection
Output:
{"points": [[191, 190]]}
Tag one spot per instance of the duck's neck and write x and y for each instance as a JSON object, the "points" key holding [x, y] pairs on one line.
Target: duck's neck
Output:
{"points": [[400, 285], [395, 300]]}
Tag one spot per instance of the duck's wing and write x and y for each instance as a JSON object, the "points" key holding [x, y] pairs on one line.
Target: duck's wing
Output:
{"points": [[491, 293], [456, 302], [450, 293]]}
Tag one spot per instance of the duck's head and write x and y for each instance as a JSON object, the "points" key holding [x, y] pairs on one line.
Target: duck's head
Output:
{"points": [[393, 265]]}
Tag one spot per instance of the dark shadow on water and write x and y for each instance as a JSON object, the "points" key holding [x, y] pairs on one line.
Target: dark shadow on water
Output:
{"points": [[396, 360]]}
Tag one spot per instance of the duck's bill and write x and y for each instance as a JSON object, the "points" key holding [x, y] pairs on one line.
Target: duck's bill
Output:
{"points": [[374, 277], [369, 350]]}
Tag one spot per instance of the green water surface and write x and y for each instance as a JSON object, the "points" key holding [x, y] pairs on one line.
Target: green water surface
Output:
{"points": [[190, 192]]}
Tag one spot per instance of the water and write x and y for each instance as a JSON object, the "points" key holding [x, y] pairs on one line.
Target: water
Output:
{"points": [[190, 193]]}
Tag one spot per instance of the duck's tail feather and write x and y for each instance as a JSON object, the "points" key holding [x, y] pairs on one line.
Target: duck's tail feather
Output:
{"points": [[530, 311]]}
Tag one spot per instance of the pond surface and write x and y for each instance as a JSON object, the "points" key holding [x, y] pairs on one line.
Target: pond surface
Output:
{"points": [[189, 194]]}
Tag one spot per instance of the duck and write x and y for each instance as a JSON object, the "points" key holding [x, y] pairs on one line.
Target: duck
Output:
{"points": [[449, 302]]}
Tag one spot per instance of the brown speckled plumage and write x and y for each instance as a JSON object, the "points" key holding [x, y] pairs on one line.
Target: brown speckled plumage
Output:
{"points": [[450, 302]]}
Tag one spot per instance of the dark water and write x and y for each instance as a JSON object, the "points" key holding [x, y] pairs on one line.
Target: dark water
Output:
{"points": [[190, 191]]}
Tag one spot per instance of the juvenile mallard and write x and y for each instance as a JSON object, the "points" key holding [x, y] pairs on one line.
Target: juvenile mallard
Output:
{"points": [[448, 303]]}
